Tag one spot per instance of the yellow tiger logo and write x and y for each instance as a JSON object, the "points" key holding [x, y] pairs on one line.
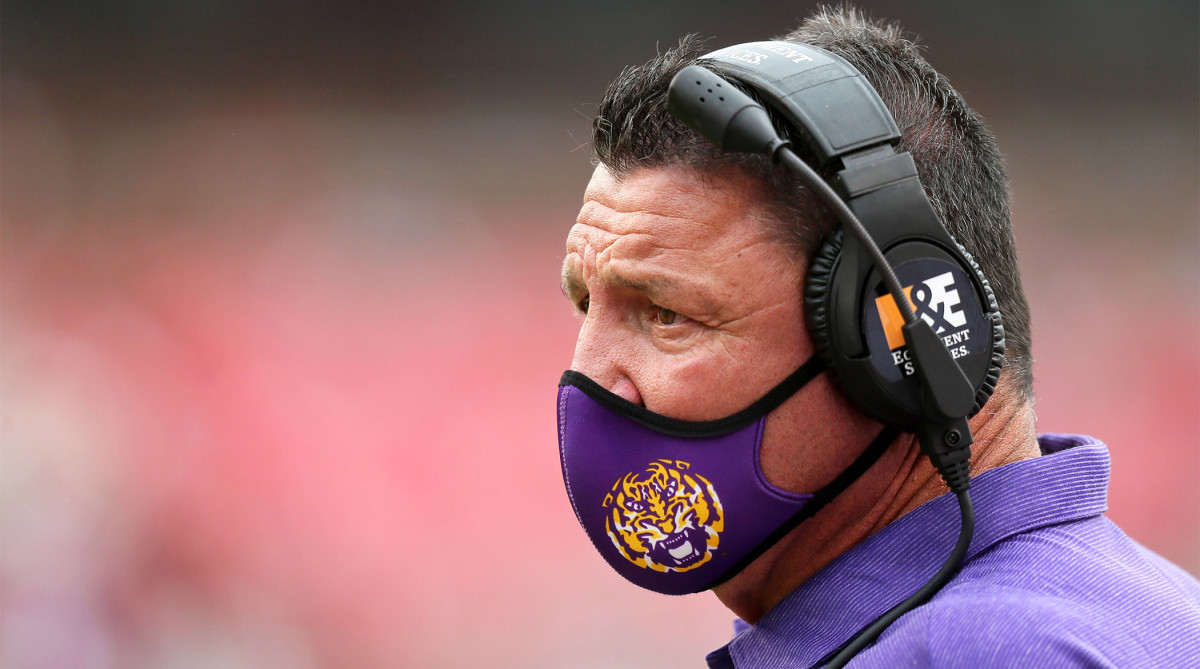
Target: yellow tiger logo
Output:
{"points": [[664, 518]]}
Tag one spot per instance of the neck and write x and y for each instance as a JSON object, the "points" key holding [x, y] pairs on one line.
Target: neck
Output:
{"points": [[902, 480]]}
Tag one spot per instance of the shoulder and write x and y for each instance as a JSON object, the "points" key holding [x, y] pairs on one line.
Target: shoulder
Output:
{"points": [[993, 631], [1019, 627], [1011, 628]]}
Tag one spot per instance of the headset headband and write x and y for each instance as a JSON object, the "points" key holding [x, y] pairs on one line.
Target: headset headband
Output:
{"points": [[819, 92]]}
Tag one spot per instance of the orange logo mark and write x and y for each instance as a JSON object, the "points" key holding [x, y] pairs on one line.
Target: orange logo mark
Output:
{"points": [[889, 316]]}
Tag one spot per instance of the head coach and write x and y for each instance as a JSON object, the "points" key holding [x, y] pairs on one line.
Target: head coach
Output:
{"points": [[803, 374]]}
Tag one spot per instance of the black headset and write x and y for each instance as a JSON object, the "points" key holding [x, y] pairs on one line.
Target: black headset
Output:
{"points": [[899, 311]]}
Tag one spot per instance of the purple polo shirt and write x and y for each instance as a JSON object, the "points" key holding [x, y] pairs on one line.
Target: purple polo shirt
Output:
{"points": [[1048, 582]]}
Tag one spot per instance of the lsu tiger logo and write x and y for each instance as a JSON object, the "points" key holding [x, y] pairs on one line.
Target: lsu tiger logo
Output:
{"points": [[664, 518]]}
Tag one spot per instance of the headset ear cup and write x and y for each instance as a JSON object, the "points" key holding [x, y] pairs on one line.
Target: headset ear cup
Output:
{"points": [[816, 290], [821, 271], [996, 364]]}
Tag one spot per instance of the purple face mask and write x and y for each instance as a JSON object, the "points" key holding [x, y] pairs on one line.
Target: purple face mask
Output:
{"points": [[680, 506]]}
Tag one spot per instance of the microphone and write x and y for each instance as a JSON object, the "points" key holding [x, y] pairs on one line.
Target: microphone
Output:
{"points": [[721, 112]]}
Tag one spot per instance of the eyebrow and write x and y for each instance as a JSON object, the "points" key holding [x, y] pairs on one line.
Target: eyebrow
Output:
{"points": [[650, 287], [574, 288]]}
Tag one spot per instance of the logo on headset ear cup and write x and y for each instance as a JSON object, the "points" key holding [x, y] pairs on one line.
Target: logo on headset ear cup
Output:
{"points": [[879, 375]]}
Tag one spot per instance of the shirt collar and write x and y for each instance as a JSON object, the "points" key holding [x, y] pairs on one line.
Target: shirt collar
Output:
{"points": [[1069, 482]]}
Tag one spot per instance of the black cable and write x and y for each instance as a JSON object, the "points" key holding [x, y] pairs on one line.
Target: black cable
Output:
{"points": [[735, 122], [956, 473], [871, 632]]}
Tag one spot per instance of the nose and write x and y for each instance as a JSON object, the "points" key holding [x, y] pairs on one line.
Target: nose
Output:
{"points": [[602, 354]]}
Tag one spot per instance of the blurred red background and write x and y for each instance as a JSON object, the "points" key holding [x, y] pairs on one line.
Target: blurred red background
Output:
{"points": [[281, 326]]}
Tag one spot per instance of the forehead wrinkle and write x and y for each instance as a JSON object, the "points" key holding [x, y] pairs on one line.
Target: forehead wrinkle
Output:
{"points": [[574, 284], [621, 222], [634, 241]]}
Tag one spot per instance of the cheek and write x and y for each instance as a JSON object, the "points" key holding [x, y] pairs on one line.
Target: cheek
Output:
{"points": [[721, 377], [691, 386], [813, 437]]}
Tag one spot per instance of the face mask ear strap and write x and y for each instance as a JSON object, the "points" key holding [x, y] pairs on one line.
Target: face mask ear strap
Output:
{"points": [[687, 428], [861, 464]]}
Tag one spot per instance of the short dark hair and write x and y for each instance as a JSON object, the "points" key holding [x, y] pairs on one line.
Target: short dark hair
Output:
{"points": [[956, 156]]}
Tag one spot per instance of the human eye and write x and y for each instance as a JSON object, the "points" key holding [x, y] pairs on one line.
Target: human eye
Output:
{"points": [[669, 329], [666, 323], [665, 316]]}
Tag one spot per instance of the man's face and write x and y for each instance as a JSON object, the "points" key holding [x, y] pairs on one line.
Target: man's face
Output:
{"points": [[691, 309]]}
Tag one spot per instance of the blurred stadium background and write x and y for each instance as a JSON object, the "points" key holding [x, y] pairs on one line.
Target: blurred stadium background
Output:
{"points": [[281, 326]]}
